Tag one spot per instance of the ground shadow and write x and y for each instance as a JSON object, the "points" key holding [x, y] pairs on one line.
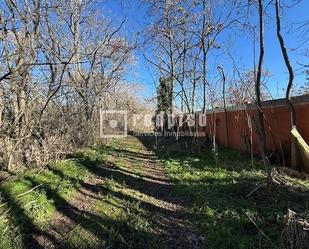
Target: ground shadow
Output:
{"points": [[97, 225], [100, 226], [221, 208]]}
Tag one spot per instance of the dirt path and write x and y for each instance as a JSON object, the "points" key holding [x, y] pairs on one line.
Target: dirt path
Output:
{"points": [[133, 174], [69, 216], [166, 212]]}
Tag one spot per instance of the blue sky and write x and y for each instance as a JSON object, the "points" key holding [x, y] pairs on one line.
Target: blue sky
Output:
{"points": [[137, 19]]}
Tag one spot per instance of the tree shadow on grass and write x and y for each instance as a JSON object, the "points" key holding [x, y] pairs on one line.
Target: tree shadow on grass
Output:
{"points": [[151, 172], [96, 167], [159, 190], [221, 207], [228, 159], [99, 226], [218, 206], [27, 229], [134, 154], [111, 172], [166, 207]]}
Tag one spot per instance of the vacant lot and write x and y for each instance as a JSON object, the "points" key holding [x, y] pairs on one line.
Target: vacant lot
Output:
{"points": [[125, 195]]}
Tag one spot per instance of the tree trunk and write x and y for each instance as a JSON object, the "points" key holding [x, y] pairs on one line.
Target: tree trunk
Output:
{"points": [[260, 114], [1, 104], [288, 65], [204, 56], [224, 106], [295, 154]]}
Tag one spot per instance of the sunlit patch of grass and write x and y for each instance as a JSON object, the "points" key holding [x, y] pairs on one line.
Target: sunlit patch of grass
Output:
{"points": [[81, 238], [119, 223], [97, 154], [128, 211], [34, 204], [23, 212], [128, 221]]}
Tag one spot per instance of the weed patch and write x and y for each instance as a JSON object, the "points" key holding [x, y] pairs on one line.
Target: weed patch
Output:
{"points": [[220, 208]]}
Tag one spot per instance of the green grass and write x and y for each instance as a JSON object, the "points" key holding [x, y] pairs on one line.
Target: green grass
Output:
{"points": [[113, 221], [217, 196], [119, 223], [118, 220], [22, 214], [123, 216]]}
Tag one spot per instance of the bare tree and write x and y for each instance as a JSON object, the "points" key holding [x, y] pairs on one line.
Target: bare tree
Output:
{"points": [[224, 104], [260, 114], [62, 62], [288, 64]]}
